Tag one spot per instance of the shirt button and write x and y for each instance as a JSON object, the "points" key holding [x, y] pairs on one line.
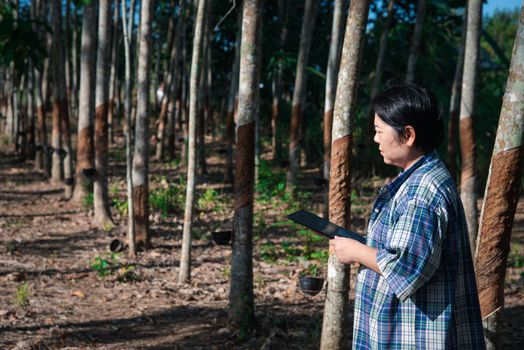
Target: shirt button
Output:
{"points": [[376, 210]]}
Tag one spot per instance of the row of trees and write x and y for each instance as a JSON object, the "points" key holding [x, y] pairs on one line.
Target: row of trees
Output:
{"points": [[115, 52]]}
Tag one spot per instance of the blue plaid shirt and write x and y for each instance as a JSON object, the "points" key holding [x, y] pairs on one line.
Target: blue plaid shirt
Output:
{"points": [[426, 297]]}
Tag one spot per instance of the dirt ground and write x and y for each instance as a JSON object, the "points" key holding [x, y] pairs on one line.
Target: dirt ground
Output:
{"points": [[51, 296]]}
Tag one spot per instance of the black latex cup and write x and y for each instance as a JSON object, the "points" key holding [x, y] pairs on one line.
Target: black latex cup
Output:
{"points": [[310, 285], [221, 237]]}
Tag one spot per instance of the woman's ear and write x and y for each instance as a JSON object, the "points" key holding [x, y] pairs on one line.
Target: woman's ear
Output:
{"points": [[410, 135]]}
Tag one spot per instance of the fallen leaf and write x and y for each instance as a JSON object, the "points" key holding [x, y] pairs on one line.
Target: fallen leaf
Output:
{"points": [[78, 293]]}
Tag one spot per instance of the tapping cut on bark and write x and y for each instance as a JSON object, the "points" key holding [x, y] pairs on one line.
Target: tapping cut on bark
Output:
{"points": [[340, 185], [245, 170]]}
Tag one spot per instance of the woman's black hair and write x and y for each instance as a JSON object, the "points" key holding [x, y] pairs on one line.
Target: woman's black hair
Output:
{"points": [[410, 104]]}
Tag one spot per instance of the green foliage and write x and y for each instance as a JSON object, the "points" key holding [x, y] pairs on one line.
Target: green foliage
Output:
{"points": [[515, 258], [88, 201], [268, 253], [209, 200], [21, 297], [167, 199], [271, 184], [120, 206], [17, 40], [109, 265]]}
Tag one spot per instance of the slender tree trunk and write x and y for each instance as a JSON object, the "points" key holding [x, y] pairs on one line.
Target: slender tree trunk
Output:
{"points": [[100, 193], [335, 309], [85, 152], [501, 198], [231, 105], [241, 300], [74, 62], [276, 84], [178, 74], [30, 130], [299, 92], [201, 149], [141, 155], [335, 50], [185, 260], [454, 106], [415, 41], [113, 86], [128, 133], [467, 112]]}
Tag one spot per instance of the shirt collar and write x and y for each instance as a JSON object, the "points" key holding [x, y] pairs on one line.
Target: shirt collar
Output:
{"points": [[394, 185]]}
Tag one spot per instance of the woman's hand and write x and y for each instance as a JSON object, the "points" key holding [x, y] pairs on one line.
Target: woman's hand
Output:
{"points": [[349, 251], [345, 248]]}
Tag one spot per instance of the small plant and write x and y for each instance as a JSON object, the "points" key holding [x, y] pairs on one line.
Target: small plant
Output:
{"points": [[105, 266], [515, 259], [127, 274], [87, 201], [291, 253], [21, 298], [209, 200], [268, 253], [226, 271], [108, 227], [313, 270], [120, 206], [166, 200]]}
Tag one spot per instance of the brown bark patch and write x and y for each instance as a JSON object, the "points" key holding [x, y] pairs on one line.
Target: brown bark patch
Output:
{"points": [[340, 181], [101, 128], [497, 221], [295, 124], [467, 148], [85, 152], [245, 165], [141, 213], [452, 139]]}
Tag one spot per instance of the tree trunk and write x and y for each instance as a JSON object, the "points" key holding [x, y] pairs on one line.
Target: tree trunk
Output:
{"points": [[306, 34], [113, 86], [231, 105], [100, 193], [335, 309], [276, 83], [201, 124], [184, 274], [501, 198], [467, 112], [141, 155], [128, 133], [454, 106], [241, 300], [85, 152], [335, 50], [415, 41]]}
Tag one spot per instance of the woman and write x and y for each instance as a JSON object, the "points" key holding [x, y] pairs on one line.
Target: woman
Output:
{"points": [[416, 287]]}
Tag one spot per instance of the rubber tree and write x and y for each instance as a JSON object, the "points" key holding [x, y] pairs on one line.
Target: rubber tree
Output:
{"points": [[184, 273], [201, 123], [415, 41], [468, 174], [131, 236], [501, 197], [141, 149], [62, 160], [232, 105], [100, 191], [276, 82], [335, 309], [113, 80], [454, 105], [241, 299], [299, 92], [335, 50], [85, 149]]}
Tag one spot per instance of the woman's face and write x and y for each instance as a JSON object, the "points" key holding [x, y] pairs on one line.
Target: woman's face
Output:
{"points": [[395, 152]]}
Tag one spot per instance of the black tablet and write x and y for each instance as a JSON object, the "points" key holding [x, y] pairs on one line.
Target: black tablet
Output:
{"points": [[323, 226]]}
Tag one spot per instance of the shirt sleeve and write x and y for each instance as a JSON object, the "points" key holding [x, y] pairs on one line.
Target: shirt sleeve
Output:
{"points": [[412, 252]]}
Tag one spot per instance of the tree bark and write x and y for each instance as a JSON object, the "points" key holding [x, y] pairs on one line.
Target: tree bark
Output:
{"points": [[85, 152], [128, 133], [241, 300], [335, 309], [231, 105], [201, 124], [335, 50], [306, 34], [467, 113], [501, 198], [415, 42], [100, 193], [113, 80], [454, 106], [141, 155], [184, 274]]}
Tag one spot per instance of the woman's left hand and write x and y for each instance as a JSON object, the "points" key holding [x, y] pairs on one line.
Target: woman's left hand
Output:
{"points": [[346, 249]]}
